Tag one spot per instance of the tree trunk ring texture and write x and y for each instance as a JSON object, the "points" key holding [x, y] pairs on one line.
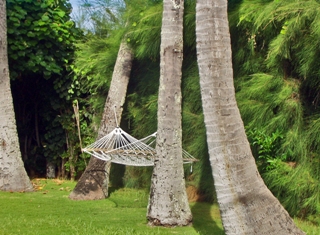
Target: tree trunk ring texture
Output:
{"points": [[246, 204], [168, 203], [13, 176]]}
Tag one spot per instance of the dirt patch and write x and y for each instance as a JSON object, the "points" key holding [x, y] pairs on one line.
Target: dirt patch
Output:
{"points": [[58, 181], [292, 164], [193, 194]]}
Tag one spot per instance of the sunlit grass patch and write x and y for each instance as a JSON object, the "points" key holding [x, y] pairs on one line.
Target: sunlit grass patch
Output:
{"points": [[48, 210]]}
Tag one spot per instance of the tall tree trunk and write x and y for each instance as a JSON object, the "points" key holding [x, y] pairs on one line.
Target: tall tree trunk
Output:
{"points": [[246, 204], [13, 176], [168, 203], [93, 183]]}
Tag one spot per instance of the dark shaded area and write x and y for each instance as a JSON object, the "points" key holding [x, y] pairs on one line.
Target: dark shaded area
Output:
{"points": [[31, 95], [206, 184], [201, 211], [202, 216], [116, 175]]}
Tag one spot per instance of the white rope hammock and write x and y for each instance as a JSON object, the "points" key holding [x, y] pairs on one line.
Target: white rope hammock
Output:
{"points": [[120, 147]]}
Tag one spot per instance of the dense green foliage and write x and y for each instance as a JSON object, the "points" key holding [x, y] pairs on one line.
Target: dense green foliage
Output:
{"points": [[41, 45], [277, 78], [40, 37], [267, 148]]}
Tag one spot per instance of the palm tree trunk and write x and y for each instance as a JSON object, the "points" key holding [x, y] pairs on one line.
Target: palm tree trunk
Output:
{"points": [[93, 184], [13, 176], [246, 204], [168, 203]]}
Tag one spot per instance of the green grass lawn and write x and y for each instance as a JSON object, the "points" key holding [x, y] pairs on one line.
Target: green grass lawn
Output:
{"points": [[49, 211]]}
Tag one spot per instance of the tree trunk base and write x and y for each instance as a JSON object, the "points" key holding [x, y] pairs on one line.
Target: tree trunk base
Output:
{"points": [[169, 223], [93, 183], [91, 195], [51, 171]]}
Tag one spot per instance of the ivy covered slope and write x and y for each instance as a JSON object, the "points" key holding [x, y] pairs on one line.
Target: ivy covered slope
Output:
{"points": [[276, 64], [41, 45]]}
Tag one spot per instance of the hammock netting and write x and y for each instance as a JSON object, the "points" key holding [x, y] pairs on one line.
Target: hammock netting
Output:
{"points": [[120, 147]]}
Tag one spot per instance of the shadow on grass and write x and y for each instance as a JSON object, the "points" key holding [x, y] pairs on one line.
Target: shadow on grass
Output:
{"points": [[206, 216], [112, 190], [206, 219]]}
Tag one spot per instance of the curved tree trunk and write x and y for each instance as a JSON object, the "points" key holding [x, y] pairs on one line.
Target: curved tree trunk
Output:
{"points": [[93, 183], [13, 176], [246, 204], [168, 203]]}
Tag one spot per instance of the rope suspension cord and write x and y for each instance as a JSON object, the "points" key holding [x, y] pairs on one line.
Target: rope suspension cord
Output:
{"points": [[115, 115]]}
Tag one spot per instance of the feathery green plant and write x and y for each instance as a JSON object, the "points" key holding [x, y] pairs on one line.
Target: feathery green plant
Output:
{"points": [[143, 30], [276, 65]]}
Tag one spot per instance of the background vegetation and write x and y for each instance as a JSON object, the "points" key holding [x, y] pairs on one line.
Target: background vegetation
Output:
{"points": [[277, 78]]}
